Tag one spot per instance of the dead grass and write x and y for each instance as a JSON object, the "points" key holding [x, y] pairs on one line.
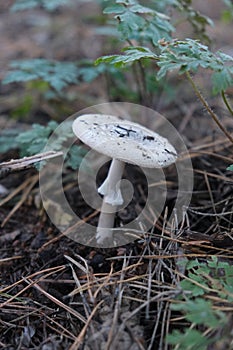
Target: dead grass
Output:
{"points": [[65, 296]]}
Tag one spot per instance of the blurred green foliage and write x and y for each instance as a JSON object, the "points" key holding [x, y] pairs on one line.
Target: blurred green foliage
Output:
{"points": [[145, 31], [205, 292], [122, 21], [50, 5]]}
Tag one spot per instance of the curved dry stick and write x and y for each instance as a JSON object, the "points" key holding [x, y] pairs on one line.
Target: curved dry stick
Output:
{"points": [[208, 108]]}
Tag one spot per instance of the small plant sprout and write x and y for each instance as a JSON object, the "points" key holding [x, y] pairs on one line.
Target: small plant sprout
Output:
{"points": [[124, 142]]}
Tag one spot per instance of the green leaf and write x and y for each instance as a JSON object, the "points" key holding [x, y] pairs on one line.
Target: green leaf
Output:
{"points": [[127, 2], [188, 55], [33, 141], [55, 74], [142, 9], [192, 288], [114, 9], [191, 339], [193, 263], [140, 23], [227, 15], [75, 156], [225, 57], [222, 80], [196, 306], [131, 54], [8, 140], [24, 107], [199, 311], [20, 5], [50, 5], [130, 25]]}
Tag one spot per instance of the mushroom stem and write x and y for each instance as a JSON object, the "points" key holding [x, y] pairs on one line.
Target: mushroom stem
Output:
{"points": [[112, 198], [110, 188]]}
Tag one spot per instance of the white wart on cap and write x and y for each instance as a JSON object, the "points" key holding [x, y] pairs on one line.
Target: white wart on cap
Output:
{"points": [[124, 140]]}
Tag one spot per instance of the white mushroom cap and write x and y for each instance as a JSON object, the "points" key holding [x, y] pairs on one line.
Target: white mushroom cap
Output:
{"points": [[124, 140]]}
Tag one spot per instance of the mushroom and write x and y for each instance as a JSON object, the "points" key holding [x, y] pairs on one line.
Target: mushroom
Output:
{"points": [[125, 142]]}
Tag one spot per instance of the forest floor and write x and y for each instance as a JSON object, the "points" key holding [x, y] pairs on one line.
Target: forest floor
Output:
{"points": [[58, 294]]}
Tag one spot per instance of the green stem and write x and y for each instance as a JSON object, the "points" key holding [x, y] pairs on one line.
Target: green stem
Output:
{"points": [[226, 102], [208, 108], [141, 79]]}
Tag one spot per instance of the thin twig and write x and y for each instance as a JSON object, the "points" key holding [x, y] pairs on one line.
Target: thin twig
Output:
{"points": [[79, 339], [32, 183], [15, 192], [49, 272], [69, 230], [227, 102], [212, 199], [24, 163], [208, 108], [56, 301]]}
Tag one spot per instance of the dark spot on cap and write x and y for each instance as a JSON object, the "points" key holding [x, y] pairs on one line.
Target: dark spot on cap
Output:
{"points": [[169, 152], [148, 137]]}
